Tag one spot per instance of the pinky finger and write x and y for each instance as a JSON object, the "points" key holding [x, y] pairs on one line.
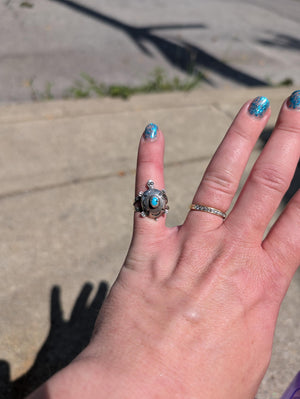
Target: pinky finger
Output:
{"points": [[283, 241]]}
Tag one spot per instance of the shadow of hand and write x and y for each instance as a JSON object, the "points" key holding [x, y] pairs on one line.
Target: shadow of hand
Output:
{"points": [[66, 339], [4, 379]]}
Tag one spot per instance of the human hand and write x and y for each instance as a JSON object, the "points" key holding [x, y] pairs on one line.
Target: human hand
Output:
{"points": [[193, 311]]}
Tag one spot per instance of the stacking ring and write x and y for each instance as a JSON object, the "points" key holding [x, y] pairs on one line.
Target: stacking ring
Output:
{"points": [[152, 202], [208, 209]]}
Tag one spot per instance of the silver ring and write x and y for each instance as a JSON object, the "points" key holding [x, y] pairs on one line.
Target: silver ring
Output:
{"points": [[209, 209], [151, 203]]}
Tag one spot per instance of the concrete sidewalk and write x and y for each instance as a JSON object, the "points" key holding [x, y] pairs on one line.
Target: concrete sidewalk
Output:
{"points": [[46, 46], [66, 187]]}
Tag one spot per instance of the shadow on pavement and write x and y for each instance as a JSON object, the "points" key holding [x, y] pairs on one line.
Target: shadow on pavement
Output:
{"points": [[182, 55], [281, 40], [66, 339]]}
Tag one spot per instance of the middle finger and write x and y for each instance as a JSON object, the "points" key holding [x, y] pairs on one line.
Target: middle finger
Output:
{"points": [[222, 177]]}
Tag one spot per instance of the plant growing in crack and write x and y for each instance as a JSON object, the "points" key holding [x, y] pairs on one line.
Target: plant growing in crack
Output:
{"points": [[86, 86]]}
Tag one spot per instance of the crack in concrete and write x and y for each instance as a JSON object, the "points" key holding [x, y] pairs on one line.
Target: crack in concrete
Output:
{"points": [[89, 179]]}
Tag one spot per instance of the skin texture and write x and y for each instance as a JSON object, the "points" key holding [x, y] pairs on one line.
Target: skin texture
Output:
{"points": [[194, 315]]}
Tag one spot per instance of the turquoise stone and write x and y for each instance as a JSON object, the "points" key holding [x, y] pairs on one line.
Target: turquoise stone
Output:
{"points": [[154, 201]]}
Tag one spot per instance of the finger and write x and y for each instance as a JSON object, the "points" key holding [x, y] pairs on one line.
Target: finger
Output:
{"points": [[149, 167], [81, 302], [56, 313], [283, 241], [99, 297], [270, 176], [222, 177]]}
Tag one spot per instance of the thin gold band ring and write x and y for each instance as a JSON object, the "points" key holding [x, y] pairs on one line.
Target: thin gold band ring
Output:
{"points": [[208, 209]]}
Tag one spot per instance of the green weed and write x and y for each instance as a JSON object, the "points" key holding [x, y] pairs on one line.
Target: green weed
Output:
{"points": [[158, 82], [86, 86]]}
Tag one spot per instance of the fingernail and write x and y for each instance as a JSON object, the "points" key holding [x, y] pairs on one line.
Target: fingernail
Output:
{"points": [[259, 106], [150, 132], [294, 101]]}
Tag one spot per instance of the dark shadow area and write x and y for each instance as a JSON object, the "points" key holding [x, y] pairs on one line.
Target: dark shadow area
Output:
{"points": [[295, 183], [282, 40], [182, 55], [66, 339], [4, 379], [265, 135], [294, 186]]}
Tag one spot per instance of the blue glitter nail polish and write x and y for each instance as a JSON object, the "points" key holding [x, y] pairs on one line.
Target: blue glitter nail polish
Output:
{"points": [[294, 100], [259, 106], [150, 132]]}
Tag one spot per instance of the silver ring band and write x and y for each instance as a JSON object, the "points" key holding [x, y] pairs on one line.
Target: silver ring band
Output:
{"points": [[208, 209]]}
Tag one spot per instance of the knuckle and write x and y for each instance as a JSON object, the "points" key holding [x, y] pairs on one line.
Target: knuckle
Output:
{"points": [[222, 181], [270, 177], [240, 132], [145, 161], [284, 127]]}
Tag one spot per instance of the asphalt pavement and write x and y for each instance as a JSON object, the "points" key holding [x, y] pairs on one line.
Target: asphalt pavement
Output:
{"points": [[45, 45]]}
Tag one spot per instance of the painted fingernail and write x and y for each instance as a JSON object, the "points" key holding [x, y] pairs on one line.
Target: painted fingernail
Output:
{"points": [[294, 101], [150, 132], [259, 106]]}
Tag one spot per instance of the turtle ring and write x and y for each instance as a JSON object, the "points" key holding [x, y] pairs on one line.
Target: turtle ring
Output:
{"points": [[151, 203]]}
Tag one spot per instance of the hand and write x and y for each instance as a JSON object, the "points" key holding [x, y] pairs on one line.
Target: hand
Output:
{"points": [[193, 311]]}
